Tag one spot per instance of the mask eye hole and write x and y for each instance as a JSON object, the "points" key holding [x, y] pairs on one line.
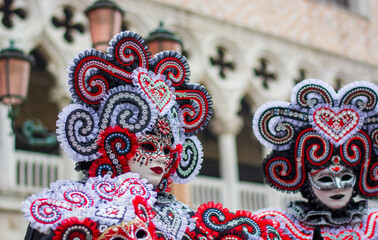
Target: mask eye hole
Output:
{"points": [[167, 150], [149, 147], [325, 179], [141, 234], [346, 177]]}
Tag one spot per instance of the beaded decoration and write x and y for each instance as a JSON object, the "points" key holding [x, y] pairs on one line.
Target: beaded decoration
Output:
{"points": [[136, 229], [296, 230], [317, 125], [104, 200], [172, 217], [73, 228], [119, 95], [172, 222], [190, 164], [213, 221]]}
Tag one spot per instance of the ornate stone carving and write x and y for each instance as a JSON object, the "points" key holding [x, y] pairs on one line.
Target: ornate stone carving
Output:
{"points": [[264, 73], [67, 23], [8, 13], [221, 62]]}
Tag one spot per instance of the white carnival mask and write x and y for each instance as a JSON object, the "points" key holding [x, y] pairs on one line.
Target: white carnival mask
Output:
{"points": [[153, 155], [333, 185]]}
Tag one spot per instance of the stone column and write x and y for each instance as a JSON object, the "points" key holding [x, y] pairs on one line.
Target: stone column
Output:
{"points": [[265, 151], [226, 130], [68, 171], [7, 151]]}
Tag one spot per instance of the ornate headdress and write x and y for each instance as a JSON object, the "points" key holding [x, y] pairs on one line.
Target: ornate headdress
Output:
{"points": [[316, 126], [122, 94]]}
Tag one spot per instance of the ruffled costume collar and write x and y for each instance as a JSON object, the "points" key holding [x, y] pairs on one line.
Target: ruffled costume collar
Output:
{"points": [[351, 215]]}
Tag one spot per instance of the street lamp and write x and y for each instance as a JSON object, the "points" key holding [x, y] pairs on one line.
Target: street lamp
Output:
{"points": [[162, 39], [105, 19], [14, 76]]}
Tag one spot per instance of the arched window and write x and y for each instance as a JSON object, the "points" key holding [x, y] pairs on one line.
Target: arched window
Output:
{"points": [[210, 165], [248, 148]]}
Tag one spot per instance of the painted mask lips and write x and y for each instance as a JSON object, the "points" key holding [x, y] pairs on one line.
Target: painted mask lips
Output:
{"points": [[157, 170], [337, 196]]}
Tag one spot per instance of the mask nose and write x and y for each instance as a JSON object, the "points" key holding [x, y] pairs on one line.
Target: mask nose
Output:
{"points": [[338, 182], [161, 159]]}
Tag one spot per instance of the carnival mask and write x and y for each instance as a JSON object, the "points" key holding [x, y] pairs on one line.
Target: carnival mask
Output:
{"points": [[153, 155], [135, 230], [333, 185]]}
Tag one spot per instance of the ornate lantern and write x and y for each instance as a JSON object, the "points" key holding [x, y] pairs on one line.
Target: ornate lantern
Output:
{"points": [[105, 19], [14, 75], [162, 39]]}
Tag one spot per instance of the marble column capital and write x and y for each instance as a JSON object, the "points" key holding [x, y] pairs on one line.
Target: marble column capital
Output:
{"points": [[226, 125]]}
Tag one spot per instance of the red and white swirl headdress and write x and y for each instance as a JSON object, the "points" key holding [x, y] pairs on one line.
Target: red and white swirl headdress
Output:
{"points": [[318, 124], [120, 94]]}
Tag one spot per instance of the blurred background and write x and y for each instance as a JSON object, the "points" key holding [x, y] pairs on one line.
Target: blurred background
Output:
{"points": [[246, 52]]}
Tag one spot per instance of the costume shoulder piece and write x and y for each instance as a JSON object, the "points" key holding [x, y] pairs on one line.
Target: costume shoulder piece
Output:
{"points": [[90, 209], [295, 229]]}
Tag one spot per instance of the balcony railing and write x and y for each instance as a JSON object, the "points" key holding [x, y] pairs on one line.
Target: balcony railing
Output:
{"points": [[36, 171], [251, 196]]}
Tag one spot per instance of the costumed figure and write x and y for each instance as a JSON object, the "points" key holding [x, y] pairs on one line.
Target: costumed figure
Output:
{"points": [[325, 146], [131, 129]]}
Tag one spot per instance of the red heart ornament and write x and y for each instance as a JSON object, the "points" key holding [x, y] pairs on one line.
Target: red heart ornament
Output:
{"points": [[156, 89], [338, 125]]}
